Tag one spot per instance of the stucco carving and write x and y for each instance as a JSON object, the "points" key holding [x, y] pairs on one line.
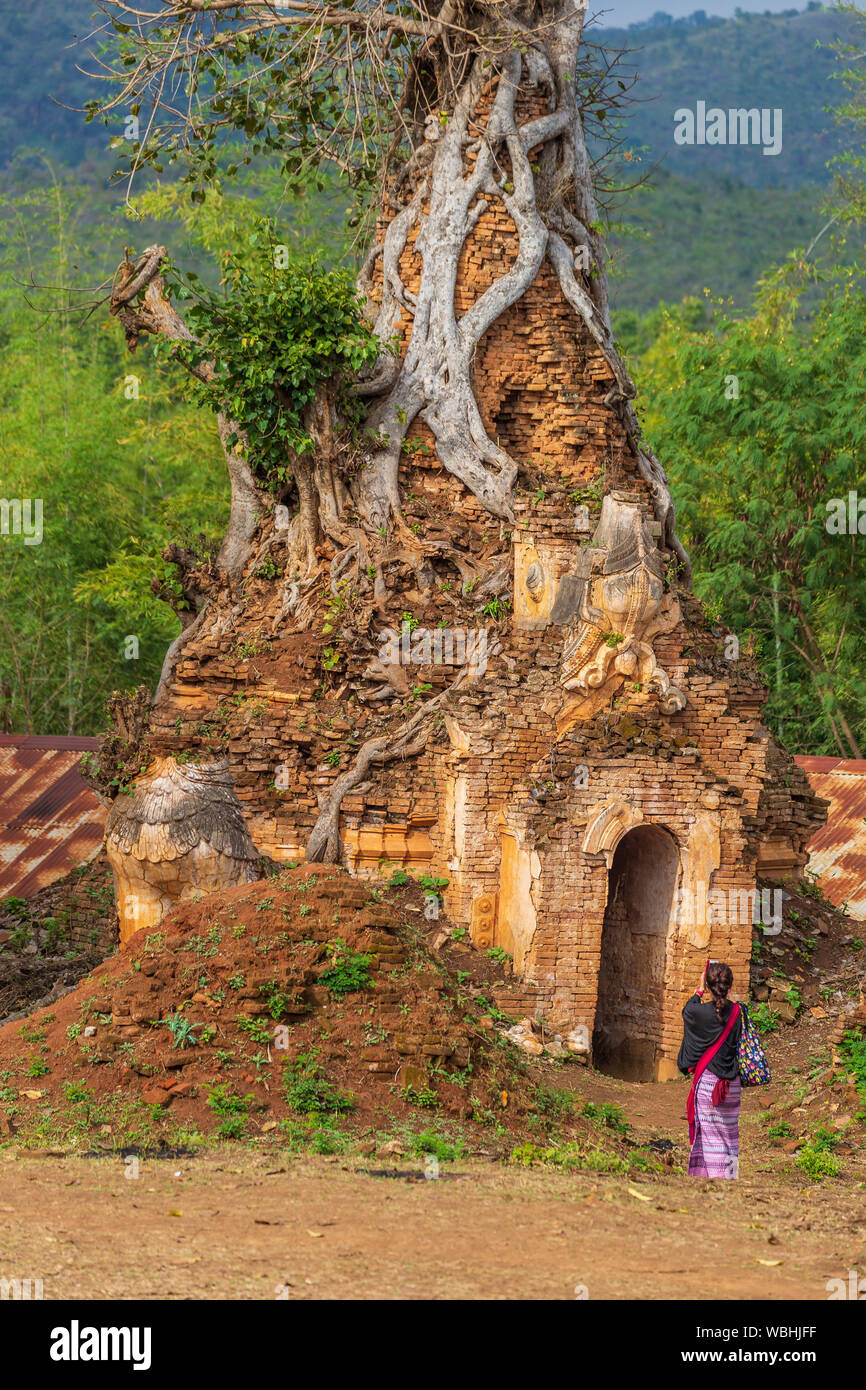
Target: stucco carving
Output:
{"points": [[615, 598], [181, 832], [607, 825], [700, 859]]}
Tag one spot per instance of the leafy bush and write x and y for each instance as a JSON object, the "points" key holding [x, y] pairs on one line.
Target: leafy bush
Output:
{"points": [[853, 1049], [817, 1163], [232, 1127], [276, 998], [429, 1142], [232, 1109], [308, 1090], [222, 1101], [765, 1019], [552, 1102], [423, 1096], [499, 954], [432, 884], [256, 1029], [181, 1029], [607, 1115], [276, 337], [77, 1093], [824, 1140], [349, 972]]}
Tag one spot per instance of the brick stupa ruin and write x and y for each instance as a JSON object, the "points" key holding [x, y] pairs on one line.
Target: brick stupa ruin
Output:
{"points": [[605, 756]]}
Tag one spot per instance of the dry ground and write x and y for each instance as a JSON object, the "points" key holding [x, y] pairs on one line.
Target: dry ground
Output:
{"points": [[231, 1223], [247, 1219]]}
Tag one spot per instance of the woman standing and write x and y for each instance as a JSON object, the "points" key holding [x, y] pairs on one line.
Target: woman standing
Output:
{"points": [[711, 1039]]}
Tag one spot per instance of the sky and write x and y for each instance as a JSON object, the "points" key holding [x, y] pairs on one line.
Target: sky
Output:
{"points": [[618, 13]]}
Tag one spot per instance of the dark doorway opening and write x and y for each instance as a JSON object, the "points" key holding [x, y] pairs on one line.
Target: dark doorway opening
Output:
{"points": [[628, 1017]]}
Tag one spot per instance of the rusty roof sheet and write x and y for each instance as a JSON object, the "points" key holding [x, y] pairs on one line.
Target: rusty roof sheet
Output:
{"points": [[50, 820], [837, 852]]}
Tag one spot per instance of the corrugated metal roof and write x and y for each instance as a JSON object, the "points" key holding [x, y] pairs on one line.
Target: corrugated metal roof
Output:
{"points": [[837, 852], [50, 820]]}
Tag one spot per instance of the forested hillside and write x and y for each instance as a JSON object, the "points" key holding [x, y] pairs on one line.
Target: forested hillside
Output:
{"points": [[755, 60], [708, 216], [766, 61]]}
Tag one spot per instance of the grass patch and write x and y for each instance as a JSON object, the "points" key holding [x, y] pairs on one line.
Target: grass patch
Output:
{"points": [[569, 1157], [320, 1134]]}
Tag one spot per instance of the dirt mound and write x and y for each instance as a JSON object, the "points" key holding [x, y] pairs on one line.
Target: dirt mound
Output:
{"points": [[50, 940], [304, 1008]]}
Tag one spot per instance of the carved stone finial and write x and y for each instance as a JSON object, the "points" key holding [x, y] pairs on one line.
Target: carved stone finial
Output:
{"points": [[182, 830]]}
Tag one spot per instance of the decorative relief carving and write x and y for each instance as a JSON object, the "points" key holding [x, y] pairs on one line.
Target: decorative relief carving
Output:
{"points": [[616, 601], [535, 583], [606, 826]]}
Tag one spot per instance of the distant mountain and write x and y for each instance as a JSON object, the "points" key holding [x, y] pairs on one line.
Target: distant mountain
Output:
{"points": [[41, 47], [762, 61], [754, 61], [714, 215]]}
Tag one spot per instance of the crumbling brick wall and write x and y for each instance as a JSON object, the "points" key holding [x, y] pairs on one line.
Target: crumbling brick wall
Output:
{"points": [[74, 914]]}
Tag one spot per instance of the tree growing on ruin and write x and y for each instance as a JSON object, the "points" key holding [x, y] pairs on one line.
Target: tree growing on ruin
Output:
{"points": [[433, 112]]}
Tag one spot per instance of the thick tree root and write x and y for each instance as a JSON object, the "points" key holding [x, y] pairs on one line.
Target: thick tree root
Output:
{"points": [[324, 845], [433, 381]]}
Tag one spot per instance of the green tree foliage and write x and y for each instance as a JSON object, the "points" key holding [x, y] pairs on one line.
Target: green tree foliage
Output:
{"points": [[120, 466], [848, 202], [205, 233], [280, 330], [761, 424], [121, 456], [304, 95]]}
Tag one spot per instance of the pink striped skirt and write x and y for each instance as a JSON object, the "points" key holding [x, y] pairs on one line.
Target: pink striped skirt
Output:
{"points": [[716, 1150]]}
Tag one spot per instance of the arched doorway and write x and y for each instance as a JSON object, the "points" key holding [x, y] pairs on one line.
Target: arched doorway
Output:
{"points": [[628, 1016]]}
